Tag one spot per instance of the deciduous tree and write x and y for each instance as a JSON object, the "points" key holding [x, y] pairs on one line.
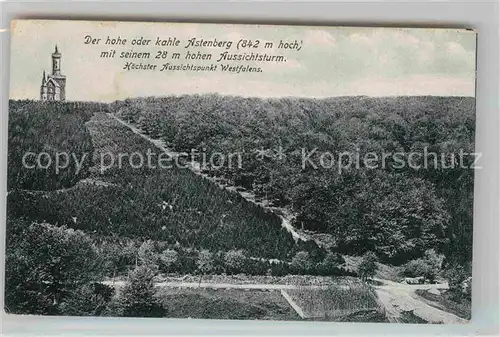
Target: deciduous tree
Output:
{"points": [[368, 266]]}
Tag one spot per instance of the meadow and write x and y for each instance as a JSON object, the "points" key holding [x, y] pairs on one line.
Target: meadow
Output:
{"points": [[225, 304]]}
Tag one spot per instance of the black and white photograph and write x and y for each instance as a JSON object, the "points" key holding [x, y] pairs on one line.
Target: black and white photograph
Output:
{"points": [[240, 172]]}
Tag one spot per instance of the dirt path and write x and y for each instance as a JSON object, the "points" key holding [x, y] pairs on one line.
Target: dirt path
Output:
{"points": [[397, 297], [195, 168], [293, 304]]}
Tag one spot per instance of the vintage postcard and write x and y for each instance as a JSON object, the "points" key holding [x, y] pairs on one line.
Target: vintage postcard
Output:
{"points": [[260, 172]]}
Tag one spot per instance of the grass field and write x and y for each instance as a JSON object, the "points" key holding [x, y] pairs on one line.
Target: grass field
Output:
{"points": [[226, 304], [337, 302], [411, 318], [447, 302]]}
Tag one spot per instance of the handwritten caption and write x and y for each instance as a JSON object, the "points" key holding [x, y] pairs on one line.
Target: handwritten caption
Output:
{"points": [[193, 54]]}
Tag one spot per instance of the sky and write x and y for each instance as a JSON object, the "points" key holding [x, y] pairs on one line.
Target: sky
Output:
{"points": [[333, 61]]}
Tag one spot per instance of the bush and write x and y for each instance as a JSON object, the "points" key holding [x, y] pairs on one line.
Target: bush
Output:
{"points": [[256, 267], [137, 299], [434, 260], [417, 268], [368, 266], [459, 279], [187, 260], [429, 266], [301, 263], [316, 253], [88, 300], [205, 262], [116, 257], [147, 254], [280, 269], [168, 260], [330, 265], [44, 264], [235, 261]]}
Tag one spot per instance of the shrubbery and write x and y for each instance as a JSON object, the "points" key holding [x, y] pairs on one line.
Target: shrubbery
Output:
{"points": [[168, 258], [332, 264], [148, 256], [302, 263], [428, 266], [88, 300], [460, 279], [137, 298], [368, 266], [235, 261], [417, 268]]}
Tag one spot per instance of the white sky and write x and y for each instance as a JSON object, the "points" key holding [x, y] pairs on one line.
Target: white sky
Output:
{"points": [[334, 61]]}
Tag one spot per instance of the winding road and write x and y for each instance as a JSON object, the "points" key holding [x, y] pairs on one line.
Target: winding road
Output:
{"points": [[398, 297]]}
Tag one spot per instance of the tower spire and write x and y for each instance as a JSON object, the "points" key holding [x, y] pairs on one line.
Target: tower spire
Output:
{"points": [[56, 62], [43, 78]]}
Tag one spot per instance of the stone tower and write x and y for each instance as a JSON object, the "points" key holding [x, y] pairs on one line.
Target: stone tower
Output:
{"points": [[54, 85], [56, 62]]}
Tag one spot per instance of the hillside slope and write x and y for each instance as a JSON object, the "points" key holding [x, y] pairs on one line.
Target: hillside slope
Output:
{"points": [[172, 205], [394, 209]]}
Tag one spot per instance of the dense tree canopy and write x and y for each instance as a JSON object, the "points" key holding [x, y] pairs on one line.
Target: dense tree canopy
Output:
{"points": [[41, 134], [402, 209], [44, 264], [68, 228]]}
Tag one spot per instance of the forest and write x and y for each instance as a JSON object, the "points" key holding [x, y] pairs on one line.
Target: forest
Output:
{"points": [[47, 128], [123, 217], [146, 203], [397, 212]]}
